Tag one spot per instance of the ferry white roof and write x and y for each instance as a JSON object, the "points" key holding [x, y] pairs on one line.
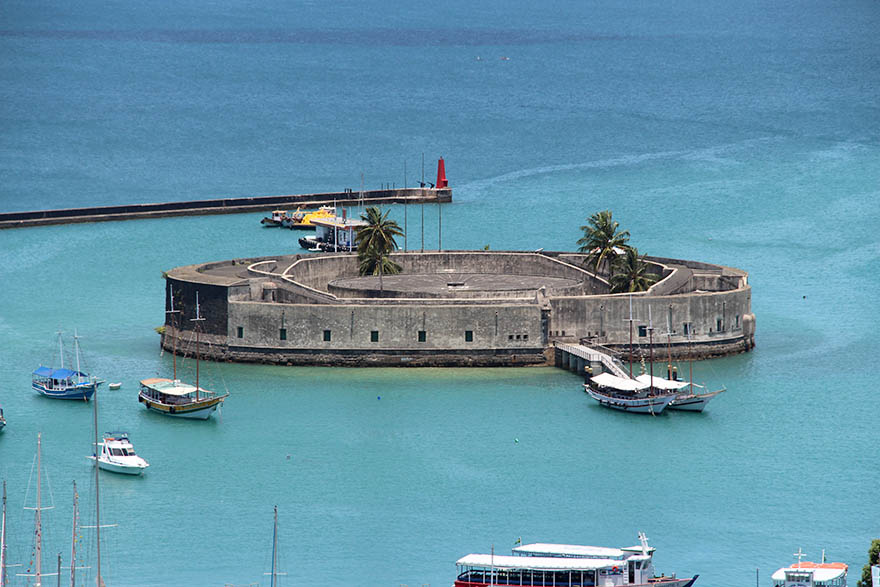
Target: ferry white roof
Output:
{"points": [[537, 563], [821, 572], [339, 222], [660, 383], [169, 387], [573, 550], [609, 380]]}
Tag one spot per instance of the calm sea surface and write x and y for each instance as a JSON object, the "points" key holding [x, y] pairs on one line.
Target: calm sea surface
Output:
{"points": [[746, 134]]}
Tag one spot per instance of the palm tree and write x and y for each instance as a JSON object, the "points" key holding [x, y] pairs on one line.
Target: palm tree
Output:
{"points": [[601, 237], [376, 242], [631, 273]]}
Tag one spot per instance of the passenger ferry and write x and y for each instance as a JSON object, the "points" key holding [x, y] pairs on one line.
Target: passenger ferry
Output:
{"points": [[807, 574], [566, 564]]}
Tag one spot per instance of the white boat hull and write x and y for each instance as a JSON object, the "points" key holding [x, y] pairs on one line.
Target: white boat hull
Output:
{"points": [[642, 405], [124, 469], [693, 403]]}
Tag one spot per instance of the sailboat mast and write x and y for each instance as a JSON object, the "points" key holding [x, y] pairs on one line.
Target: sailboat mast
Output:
{"points": [[651, 344], [3, 540], [61, 349], [76, 352], [172, 311], [38, 528], [198, 318], [100, 580], [73, 539], [274, 546], [668, 349], [690, 363], [630, 336]]}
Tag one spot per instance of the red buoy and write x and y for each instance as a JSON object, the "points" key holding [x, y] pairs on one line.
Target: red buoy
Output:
{"points": [[441, 174]]}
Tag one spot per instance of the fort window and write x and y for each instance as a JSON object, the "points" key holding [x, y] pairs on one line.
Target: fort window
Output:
{"points": [[525, 336], [469, 336], [282, 334], [643, 331], [422, 336], [509, 337], [737, 321], [240, 332], [326, 336], [374, 336], [687, 328], [719, 325]]}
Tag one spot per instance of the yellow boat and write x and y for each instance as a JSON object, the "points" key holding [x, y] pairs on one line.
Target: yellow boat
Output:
{"points": [[302, 219]]}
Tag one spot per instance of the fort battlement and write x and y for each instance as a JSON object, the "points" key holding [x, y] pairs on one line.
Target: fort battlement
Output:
{"points": [[452, 308]]}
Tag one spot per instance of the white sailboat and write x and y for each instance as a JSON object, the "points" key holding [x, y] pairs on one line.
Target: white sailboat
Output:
{"points": [[274, 574], [3, 540], [690, 401], [37, 568]]}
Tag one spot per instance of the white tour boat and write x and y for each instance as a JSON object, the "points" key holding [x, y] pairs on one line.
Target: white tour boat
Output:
{"points": [[807, 574], [117, 455], [566, 564], [628, 395]]}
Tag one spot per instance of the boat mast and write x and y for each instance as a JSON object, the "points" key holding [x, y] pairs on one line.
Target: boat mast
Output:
{"points": [[630, 336], [61, 349], [99, 579], [198, 318], [651, 344], [172, 311], [73, 539], [38, 528], [274, 546], [76, 351], [3, 540], [668, 349], [690, 362]]}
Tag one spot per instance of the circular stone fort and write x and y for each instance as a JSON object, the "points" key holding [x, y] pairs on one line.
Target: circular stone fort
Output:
{"points": [[450, 308]]}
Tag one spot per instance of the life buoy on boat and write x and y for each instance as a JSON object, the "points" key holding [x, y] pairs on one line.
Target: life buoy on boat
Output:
{"points": [[614, 569]]}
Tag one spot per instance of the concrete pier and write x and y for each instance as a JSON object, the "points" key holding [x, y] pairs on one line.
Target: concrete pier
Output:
{"points": [[224, 206]]}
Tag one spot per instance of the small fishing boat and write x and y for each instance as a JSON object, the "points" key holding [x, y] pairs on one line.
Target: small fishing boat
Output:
{"points": [[118, 456], [277, 219], [2, 420], [807, 574], [333, 235], [63, 383], [114, 385], [566, 564], [628, 395]]}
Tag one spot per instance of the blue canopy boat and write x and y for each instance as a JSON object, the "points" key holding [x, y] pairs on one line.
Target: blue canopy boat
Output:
{"points": [[65, 383]]}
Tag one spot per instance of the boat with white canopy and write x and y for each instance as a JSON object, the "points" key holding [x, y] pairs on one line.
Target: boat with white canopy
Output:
{"points": [[118, 456], [685, 399], [628, 395], [64, 383], [566, 564]]}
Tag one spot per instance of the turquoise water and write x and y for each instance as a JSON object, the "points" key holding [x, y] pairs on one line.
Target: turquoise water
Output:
{"points": [[744, 135]]}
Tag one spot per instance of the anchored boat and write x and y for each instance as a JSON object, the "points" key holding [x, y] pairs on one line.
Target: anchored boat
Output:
{"points": [[118, 456], [808, 574], [64, 383], [628, 395], [566, 564], [303, 219], [175, 398]]}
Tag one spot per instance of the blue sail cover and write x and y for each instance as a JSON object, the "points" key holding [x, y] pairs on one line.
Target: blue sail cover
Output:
{"points": [[57, 373]]}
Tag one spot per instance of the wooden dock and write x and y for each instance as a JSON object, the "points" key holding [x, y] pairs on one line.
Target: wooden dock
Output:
{"points": [[224, 206], [577, 357]]}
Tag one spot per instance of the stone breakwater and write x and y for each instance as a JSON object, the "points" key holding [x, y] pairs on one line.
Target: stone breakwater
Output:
{"points": [[222, 206], [450, 308]]}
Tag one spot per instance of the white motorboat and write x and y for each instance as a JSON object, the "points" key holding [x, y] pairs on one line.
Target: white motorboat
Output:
{"points": [[118, 456]]}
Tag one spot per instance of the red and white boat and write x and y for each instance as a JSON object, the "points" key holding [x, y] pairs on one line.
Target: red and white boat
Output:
{"points": [[566, 564]]}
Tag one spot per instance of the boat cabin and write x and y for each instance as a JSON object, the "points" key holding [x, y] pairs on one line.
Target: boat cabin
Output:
{"points": [[635, 561], [58, 379], [482, 570], [279, 216], [615, 385], [339, 232], [117, 444], [661, 384], [807, 574], [172, 392]]}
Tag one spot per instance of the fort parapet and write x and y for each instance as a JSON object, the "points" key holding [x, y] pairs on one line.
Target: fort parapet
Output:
{"points": [[450, 308]]}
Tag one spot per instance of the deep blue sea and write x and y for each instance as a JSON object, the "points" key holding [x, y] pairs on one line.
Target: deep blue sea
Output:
{"points": [[745, 134]]}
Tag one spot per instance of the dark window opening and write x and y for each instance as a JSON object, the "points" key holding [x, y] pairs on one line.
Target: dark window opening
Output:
{"points": [[509, 337], [719, 325], [469, 336], [686, 328], [374, 336], [282, 334], [422, 336], [240, 332], [525, 336], [326, 336], [643, 331]]}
